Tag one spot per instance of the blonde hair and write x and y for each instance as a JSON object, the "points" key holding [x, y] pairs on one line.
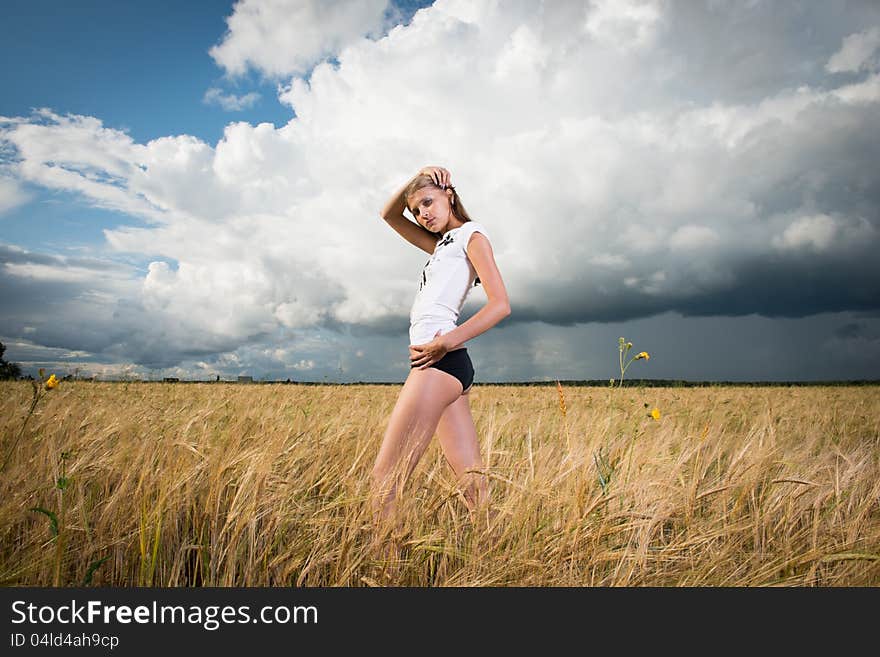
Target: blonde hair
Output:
{"points": [[420, 182]]}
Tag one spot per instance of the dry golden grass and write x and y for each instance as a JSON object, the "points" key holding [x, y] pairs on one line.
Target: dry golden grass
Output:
{"points": [[247, 485]]}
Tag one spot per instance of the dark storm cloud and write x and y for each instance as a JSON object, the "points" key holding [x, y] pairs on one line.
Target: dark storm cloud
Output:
{"points": [[807, 244], [12, 254], [42, 295], [91, 305], [852, 330], [741, 52]]}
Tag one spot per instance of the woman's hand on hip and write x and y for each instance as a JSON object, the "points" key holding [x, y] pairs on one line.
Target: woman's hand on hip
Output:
{"points": [[425, 355]]}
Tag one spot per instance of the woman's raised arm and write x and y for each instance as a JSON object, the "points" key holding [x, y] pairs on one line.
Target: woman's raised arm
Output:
{"points": [[416, 235]]}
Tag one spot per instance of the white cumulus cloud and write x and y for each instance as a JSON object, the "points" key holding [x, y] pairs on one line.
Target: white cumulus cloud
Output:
{"points": [[624, 24], [11, 194], [856, 52], [230, 102], [817, 232], [691, 237], [287, 37]]}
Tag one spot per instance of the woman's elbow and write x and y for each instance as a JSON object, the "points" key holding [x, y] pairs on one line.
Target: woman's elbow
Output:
{"points": [[504, 308]]}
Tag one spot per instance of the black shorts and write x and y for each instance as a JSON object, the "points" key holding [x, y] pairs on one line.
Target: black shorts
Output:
{"points": [[458, 364]]}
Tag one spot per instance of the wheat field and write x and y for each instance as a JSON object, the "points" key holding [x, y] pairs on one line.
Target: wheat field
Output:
{"points": [[151, 484]]}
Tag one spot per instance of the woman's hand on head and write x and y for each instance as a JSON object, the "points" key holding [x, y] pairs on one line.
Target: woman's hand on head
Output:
{"points": [[442, 177], [425, 355]]}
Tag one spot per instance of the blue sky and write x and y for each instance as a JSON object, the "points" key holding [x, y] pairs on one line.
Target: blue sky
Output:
{"points": [[141, 66], [698, 177]]}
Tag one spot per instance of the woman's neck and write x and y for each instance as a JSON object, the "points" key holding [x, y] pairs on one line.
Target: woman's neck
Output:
{"points": [[450, 226]]}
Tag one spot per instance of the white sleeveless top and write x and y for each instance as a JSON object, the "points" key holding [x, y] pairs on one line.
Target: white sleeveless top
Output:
{"points": [[446, 279]]}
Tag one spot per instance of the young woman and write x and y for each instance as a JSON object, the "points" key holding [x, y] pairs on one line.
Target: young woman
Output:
{"points": [[435, 395]]}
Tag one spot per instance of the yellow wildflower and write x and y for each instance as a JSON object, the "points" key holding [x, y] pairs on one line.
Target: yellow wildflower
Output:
{"points": [[644, 355], [52, 382], [655, 413]]}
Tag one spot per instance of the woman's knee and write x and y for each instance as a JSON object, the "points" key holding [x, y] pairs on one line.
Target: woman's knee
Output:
{"points": [[413, 422]]}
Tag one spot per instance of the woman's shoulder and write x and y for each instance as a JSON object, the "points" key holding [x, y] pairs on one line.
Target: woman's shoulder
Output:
{"points": [[471, 227]]}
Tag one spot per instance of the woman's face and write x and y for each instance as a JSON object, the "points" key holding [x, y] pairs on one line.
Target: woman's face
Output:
{"points": [[430, 207]]}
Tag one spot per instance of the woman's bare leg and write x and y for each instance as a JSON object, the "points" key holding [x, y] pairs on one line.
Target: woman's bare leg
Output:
{"points": [[425, 395], [458, 438]]}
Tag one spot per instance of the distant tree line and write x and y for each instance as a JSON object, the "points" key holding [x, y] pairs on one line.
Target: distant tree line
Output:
{"points": [[13, 371], [8, 370]]}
